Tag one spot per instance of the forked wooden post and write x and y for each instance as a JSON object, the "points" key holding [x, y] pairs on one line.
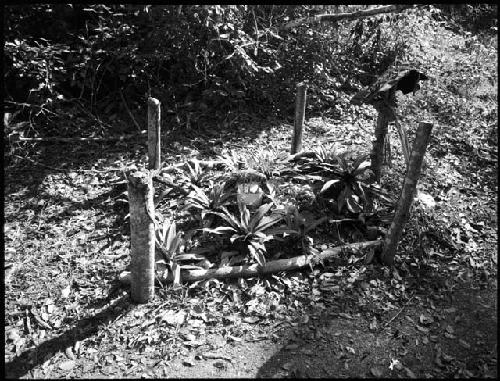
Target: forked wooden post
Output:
{"points": [[154, 130], [142, 236], [407, 192], [300, 110], [377, 154]]}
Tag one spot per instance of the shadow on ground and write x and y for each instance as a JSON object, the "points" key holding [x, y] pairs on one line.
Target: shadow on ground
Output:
{"points": [[332, 346], [21, 365]]}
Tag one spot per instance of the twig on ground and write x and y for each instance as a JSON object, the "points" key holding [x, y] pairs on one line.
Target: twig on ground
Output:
{"points": [[399, 312]]}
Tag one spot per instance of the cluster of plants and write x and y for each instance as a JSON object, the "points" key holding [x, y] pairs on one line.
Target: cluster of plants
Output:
{"points": [[243, 216]]}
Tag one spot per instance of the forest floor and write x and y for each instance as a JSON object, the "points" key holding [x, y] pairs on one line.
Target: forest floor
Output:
{"points": [[434, 314]]}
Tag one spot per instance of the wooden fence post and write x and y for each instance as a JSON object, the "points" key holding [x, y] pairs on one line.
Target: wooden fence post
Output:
{"points": [[154, 136], [300, 110], [407, 192], [377, 154], [142, 236]]}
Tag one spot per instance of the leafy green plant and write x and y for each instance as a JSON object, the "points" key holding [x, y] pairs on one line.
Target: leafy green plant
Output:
{"points": [[341, 179], [193, 174], [264, 160], [296, 228], [322, 162], [349, 187], [170, 244], [206, 202], [231, 160], [248, 229]]}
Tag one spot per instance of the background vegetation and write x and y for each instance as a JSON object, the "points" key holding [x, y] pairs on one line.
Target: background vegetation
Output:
{"points": [[63, 60]]}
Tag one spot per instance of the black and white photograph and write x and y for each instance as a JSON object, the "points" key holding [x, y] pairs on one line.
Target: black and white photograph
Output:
{"points": [[250, 191]]}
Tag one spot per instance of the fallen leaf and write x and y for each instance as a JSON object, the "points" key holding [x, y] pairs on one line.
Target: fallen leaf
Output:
{"points": [[173, 318], [189, 337], [447, 358], [213, 355], [288, 365], [346, 316], [376, 371], [409, 373], [422, 329], [41, 334], [193, 343], [234, 338], [78, 346], [66, 291], [251, 319], [464, 343], [69, 353], [196, 323], [426, 320], [13, 335], [67, 365], [395, 363], [426, 200]]}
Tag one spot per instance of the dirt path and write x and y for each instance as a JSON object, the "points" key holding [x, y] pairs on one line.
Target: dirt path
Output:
{"points": [[333, 346], [431, 338]]}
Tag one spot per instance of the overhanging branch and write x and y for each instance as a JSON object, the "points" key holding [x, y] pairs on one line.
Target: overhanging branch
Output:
{"points": [[347, 16]]}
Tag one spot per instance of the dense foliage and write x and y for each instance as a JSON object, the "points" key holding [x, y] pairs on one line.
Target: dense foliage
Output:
{"points": [[198, 60]]}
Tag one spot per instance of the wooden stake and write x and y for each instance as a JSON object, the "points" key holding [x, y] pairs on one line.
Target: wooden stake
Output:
{"points": [[142, 236], [154, 130], [407, 192], [300, 110], [377, 154]]}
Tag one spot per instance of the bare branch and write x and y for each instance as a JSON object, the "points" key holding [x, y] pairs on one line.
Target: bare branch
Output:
{"points": [[247, 271], [56, 139], [348, 16]]}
